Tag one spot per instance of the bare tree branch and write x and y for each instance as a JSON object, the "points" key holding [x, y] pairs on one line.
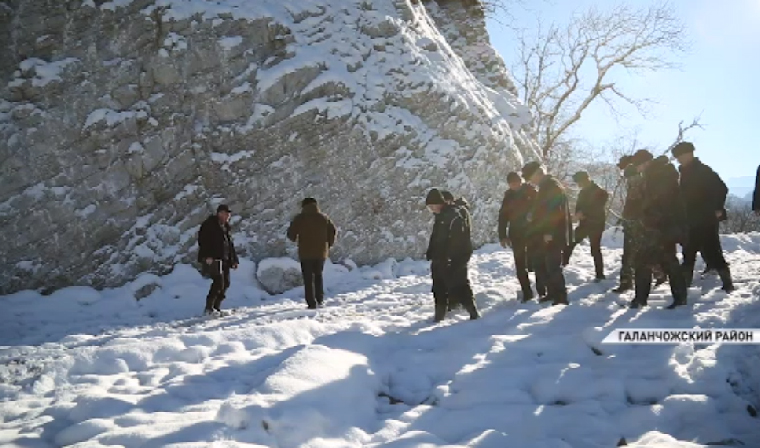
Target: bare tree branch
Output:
{"points": [[563, 70]]}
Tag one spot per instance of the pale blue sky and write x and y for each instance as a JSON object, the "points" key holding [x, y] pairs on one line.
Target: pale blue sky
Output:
{"points": [[719, 78]]}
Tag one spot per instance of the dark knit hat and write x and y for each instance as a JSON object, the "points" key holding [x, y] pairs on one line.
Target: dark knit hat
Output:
{"points": [[580, 176], [530, 169], [682, 148], [223, 208], [308, 201], [641, 156], [434, 197], [513, 177], [447, 195], [624, 162]]}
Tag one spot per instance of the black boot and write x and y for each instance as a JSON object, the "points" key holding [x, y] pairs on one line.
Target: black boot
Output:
{"points": [[680, 293], [624, 286], [637, 303], [218, 303], [440, 311], [527, 295], [209, 305], [725, 277]]}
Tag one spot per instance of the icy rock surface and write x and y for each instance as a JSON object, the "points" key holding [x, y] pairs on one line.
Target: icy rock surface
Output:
{"points": [[124, 123]]}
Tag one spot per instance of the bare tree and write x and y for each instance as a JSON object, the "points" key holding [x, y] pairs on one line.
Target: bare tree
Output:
{"points": [[563, 70], [617, 193], [741, 218]]}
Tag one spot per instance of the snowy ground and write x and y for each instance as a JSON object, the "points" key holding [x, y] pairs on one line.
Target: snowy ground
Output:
{"points": [[86, 368]]}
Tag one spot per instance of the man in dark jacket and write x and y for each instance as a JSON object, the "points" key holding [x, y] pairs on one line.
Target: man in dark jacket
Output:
{"points": [[704, 195], [662, 225], [550, 221], [756, 196], [631, 176], [315, 234], [591, 213], [449, 253], [513, 229], [216, 253]]}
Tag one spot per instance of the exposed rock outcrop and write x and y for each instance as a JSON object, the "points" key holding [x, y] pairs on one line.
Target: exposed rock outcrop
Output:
{"points": [[123, 123]]}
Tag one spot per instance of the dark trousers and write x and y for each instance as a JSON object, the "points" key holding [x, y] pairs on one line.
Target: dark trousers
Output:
{"points": [[704, 238], [536, 264], [549, 269], [312, 281], [594, 234], [627, 260], [520, 251], [663, 255], [451, 283], [218, 289]]}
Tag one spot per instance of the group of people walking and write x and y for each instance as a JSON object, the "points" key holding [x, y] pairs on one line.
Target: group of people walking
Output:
{"points": [[663, 207]]}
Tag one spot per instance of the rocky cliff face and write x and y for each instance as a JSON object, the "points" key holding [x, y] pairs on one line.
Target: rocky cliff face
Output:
{"points": [[124, 123]]}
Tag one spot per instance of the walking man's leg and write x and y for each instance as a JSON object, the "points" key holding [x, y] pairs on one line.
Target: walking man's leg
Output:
{"points": [[225, 284], [712, 251], [542, 277], [217, 285], [555, 281], [307, 271], [460, 287], [520, 251], [595, 239], [693, 244], [678, 283], [643, 283], [319, 287], [438, 271]]}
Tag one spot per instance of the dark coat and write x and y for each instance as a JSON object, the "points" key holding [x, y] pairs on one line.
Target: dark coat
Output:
{"points": [[703, 192], [450, 239], [634, 197], [514, 211], [662, 208], [215, 241], [551, 213], [592, 202], [756, 196], [314, 232]]}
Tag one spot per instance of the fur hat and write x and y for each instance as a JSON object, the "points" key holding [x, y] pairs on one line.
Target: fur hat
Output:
{"points": [[682, 148], [580, 176], [624, 162], [435, 197], [641, 156], [530, 169]]}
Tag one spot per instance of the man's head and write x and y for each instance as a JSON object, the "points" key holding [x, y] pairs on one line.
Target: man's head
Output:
{"points": [[683, 152], [447, 196], [435, 201], [223, 213], [641, 159], [581, 178], [514, 181], [624, 162], [533, 172], [308, 201]]}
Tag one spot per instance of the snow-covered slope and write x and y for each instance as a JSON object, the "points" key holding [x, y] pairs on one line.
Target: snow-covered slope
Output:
{"points": [[124, 123], [371, 370]]}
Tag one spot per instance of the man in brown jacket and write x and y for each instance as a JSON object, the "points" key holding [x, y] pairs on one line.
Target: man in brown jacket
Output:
{"points": [[315, 234]]}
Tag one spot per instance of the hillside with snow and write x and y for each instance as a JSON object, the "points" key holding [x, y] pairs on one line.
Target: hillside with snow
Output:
{"points": [[124, 123], [87, 368]]}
